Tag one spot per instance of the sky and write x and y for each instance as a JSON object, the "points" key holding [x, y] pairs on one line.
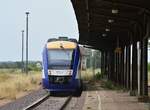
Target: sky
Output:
{"points": [[47, 19]]}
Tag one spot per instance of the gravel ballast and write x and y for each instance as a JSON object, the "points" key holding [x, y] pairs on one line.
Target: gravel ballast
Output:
{"points": [[22, 102]]}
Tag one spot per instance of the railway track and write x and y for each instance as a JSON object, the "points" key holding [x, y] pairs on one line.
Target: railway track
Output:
{"points": [[47, 101]]}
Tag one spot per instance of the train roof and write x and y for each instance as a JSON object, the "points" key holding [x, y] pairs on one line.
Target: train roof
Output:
{"points": [[62, 39], [61, 45]]}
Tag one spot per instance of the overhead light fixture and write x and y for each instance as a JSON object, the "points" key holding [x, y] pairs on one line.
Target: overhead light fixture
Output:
{"points": [[104, 35], [110, 21], [107, 30], [114, 11]]}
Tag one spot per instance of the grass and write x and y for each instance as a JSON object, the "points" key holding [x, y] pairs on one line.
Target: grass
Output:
{"points": [[88, 74], [107, 84], [14, 83]]}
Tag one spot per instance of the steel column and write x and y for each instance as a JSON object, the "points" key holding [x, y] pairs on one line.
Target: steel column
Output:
{"points": [[144, 66], [102, 63], [128, 67], [134, 67]]}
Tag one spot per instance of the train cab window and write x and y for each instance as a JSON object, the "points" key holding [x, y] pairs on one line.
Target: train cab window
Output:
{"points": [[60, 58]]}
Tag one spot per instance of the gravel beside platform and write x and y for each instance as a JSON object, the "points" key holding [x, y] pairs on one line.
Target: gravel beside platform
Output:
{"points": [[22, 102], [77, 103]]}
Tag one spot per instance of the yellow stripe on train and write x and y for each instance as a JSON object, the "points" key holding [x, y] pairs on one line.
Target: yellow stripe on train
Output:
{"points": [[61, 45]]}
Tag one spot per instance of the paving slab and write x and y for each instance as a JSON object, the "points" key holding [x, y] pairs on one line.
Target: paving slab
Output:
{"points": [[103, 99], [91, 101], [113, 100]]}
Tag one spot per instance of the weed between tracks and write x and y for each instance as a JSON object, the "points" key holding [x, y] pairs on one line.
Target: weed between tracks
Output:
{"points": [[13, 83]]}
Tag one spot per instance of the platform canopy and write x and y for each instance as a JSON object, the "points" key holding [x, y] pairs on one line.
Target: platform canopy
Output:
{"points": [[104, 24]]}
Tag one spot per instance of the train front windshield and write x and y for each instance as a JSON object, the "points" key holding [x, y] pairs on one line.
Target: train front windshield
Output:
{"points": [[60, 59]]}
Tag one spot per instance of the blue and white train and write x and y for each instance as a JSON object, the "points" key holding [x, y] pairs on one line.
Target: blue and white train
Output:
{"points": [[61, 66]]}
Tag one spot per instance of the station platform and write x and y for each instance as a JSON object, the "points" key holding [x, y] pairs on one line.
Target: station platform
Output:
{"points": [[105, 99]]}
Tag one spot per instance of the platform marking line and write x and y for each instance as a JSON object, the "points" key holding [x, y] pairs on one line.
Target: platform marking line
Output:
{"points": [[99, 101], [85, 102]]}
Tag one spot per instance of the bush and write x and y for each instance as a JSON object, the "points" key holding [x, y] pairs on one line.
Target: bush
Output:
{"points": [[109, 85], [98, 76], [33, 67]]}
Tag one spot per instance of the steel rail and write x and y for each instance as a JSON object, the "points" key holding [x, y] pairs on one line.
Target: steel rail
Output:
{"points": [[66, 103], [38, 102], [44, 98]]}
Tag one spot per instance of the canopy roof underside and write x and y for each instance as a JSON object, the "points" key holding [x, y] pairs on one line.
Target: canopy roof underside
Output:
{"points": [[101, 28]]}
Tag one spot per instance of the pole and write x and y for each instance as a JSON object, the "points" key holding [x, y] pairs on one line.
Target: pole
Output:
{"points": [[145, 73], [22, 51], [27, 13]]}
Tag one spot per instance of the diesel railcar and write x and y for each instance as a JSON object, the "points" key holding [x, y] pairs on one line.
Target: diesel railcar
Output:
{"points": [[61, 66]]}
